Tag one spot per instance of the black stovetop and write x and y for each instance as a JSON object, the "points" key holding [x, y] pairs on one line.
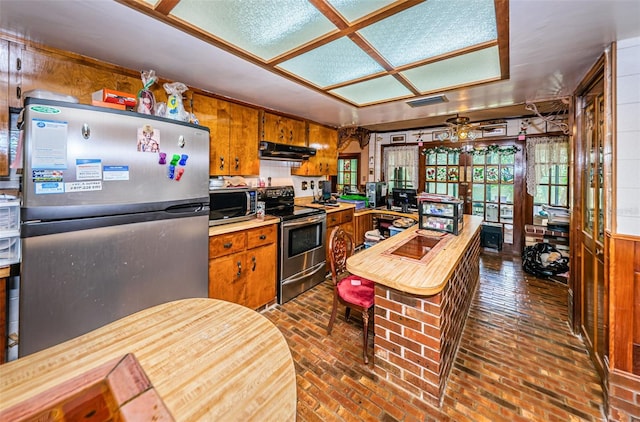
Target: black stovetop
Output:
{"points": [[279, 202]]}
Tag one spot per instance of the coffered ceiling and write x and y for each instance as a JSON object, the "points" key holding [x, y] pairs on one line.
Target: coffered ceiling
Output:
{"points": [[544, 49], [363, 52]]}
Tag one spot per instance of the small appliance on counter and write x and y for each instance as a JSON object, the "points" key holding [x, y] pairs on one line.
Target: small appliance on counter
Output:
{"points": [[230, 205]]}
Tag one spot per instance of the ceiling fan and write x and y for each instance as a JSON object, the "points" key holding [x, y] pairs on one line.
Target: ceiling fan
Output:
{"points": [[459, 129]]}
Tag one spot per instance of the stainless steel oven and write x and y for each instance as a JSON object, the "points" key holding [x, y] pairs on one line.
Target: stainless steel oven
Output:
{"points": [[301, 261], [302, 255]]}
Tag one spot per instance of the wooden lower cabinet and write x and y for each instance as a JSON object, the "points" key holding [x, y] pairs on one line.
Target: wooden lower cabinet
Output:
{"points": [[342, 218], [363, 224], [242, 266]]}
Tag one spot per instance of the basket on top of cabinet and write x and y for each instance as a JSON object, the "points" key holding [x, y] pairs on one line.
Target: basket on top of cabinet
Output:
{"points": [[445, 216]]}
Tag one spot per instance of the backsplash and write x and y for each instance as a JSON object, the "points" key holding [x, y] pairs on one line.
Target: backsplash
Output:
{"points": [[279, 174]]}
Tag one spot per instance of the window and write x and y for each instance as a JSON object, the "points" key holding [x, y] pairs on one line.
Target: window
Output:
{"points": [[442, 172], [400, 166], [548, 171], [348, 176]]}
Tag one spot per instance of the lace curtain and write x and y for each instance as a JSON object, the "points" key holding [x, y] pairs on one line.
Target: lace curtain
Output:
{"points": [[401, 166], [542, 153]]}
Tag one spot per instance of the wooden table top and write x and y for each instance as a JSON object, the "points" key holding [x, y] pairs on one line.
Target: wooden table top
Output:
{"points": [[207, 359], [424, 278]]}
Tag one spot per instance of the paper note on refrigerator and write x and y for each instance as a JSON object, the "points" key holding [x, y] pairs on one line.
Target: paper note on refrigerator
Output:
{"points": [[49, 144]]}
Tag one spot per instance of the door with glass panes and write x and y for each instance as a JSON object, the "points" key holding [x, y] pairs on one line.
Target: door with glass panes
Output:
{"points": [[488, 178]]}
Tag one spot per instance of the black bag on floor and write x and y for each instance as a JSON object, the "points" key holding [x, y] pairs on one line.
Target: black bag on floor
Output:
{"points": [[543, 260]]}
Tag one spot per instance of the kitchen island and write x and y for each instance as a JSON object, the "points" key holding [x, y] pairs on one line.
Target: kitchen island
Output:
{"points": [[206, 359], [421, 303]]}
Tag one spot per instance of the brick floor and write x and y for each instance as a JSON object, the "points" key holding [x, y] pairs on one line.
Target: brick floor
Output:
{"points": [[517, 361]]}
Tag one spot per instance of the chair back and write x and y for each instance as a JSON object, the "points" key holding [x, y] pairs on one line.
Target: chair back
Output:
{"points": [[340, 248]]}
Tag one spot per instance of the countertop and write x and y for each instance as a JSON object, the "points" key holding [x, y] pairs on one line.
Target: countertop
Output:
{"points": [[329, 209], [422, 278], [207, 359], [242, 225]]}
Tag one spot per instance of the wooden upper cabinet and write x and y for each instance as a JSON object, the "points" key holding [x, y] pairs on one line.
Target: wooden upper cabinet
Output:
{"points": [[283, 130], [233, 136], [243, 140], [80, 78], [325, 163]]}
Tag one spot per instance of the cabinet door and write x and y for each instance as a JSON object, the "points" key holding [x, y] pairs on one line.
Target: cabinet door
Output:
{"points": [[228, 278], [325, 141], [243, 140], [283, 130], [261, 275], [52, 72], [363, 223], [215, 115]]}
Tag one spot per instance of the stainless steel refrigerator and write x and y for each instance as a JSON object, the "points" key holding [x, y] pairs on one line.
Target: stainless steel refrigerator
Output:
{"points": [[114, 217]]}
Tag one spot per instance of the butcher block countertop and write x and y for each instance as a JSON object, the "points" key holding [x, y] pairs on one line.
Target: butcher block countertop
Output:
{"points": [[420, 277], [242, 225], [207, 359]]}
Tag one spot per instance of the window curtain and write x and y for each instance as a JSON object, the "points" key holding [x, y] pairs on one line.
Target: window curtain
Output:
{"points": [[401, 163], [543, 153]]}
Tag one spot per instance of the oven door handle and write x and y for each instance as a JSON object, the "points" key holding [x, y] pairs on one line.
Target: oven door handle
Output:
{"points": [[308, 220], [306, 273]]}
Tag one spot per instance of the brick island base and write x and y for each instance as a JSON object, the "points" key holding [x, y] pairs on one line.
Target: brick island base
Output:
{"points": [[417, 337]]}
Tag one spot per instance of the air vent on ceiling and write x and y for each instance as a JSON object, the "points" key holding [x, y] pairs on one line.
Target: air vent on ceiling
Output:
{"points": [[421, 102]]}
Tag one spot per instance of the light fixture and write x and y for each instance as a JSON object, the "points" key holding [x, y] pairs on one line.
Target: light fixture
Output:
{"points": [[459, 130]]}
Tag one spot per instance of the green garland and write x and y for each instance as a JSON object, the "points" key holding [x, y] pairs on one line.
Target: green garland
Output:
{"points": [[490, 149]]}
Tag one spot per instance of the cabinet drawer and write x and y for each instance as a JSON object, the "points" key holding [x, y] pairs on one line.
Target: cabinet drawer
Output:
{"points": [[334, 218], [347, 217], [225, 244], [262, 236]]}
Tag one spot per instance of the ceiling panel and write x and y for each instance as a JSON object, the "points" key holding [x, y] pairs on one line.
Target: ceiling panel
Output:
{"points": [[432, 29], [467, 69], [334, 63], [264, 28], [373, 91]]}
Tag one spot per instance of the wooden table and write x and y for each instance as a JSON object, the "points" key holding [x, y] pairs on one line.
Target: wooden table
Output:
{"points": [[207, 360]]}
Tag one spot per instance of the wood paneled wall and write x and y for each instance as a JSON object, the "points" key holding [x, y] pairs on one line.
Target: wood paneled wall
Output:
{"points": [[624, 259]]}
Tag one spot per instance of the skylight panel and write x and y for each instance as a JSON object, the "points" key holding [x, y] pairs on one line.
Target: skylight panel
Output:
{"points": [[337, 62], [373, 91], [353, 10], [478, 66], [264, 28], [432, 28]]}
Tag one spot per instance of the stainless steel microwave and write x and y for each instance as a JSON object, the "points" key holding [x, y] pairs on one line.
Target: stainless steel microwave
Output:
{"points": [[229, 205]]}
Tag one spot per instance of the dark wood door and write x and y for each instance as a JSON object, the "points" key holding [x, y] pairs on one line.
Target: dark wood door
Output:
{"points": [[591, 234]]}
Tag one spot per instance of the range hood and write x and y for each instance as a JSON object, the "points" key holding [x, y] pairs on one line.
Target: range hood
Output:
{"points": [[284, 152]]}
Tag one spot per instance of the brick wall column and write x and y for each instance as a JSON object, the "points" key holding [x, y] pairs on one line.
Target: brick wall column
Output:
{"points": [[417, 337]]}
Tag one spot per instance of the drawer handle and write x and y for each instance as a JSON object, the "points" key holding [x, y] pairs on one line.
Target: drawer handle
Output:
{"points": [[239, 269], [228, 245], [221, 163], [263, 236], [237, 163], [253, 259]]}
